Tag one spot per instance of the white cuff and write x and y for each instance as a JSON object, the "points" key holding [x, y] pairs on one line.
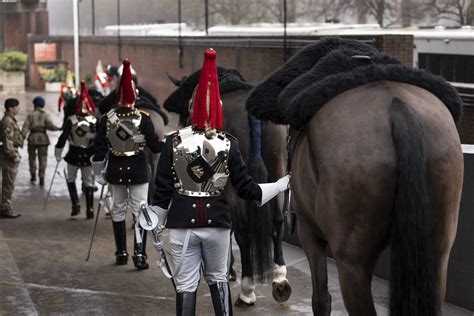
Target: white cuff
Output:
{"points": [[97, 166], [269, 191]]}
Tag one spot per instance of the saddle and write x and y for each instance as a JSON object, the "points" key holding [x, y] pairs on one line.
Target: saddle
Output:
{"points": [[294, 93]]}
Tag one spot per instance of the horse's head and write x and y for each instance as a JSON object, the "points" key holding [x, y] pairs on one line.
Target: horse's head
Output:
{"points": [[178, 101]]}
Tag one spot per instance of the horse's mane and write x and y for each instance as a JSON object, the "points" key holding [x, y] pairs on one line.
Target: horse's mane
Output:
{"points": [[319, 72], [229, 80]]}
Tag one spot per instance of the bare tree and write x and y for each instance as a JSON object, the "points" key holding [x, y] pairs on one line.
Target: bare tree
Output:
{"points": [[457, 11], [235, 12], [406, 13]]}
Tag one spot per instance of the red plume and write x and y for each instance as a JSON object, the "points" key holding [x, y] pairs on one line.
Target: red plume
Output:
{"points": [[207, 105], [126, 94], [84, 105]]}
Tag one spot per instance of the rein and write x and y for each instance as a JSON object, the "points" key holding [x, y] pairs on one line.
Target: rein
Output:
{"points": [[290, 215]]}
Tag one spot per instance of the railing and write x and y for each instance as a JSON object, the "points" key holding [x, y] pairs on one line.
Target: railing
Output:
{"points": [[466, 91]]}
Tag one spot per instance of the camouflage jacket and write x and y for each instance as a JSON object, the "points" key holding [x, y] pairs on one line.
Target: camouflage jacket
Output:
{"points": [[36, 125], [10, 136]]}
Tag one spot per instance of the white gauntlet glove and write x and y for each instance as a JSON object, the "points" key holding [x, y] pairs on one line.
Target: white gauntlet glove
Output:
{"points": [[158, 242], [58, 153], [270, 190], [99, 170], [283, 182]]}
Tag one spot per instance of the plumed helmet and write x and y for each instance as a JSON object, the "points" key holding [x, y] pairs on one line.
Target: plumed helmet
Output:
{"points": [[70, 80], [84, 104], [134, 73], [39, 101], [99, 69], [207, 104], [126, 92]]}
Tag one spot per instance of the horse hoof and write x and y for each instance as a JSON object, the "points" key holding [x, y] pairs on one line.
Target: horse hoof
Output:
{"points": [[241, 303], [281, 291]]}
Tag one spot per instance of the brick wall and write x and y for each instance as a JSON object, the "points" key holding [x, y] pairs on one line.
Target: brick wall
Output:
{"points": [[154, 57], [19, 21]]}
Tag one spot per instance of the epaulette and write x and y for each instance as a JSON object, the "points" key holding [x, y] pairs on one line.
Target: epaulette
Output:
{"points": [[143, 112], [107, 113], [73, 119]]}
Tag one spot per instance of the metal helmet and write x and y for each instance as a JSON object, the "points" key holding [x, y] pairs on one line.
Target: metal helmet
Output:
{"points": [[84, 105], [207, 104], [126, 92]]}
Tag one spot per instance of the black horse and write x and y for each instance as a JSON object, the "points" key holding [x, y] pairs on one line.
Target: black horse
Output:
{"points": [[263, 149]]}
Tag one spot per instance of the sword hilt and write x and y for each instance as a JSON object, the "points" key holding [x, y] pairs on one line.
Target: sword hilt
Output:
{"points": [[144, 211]]}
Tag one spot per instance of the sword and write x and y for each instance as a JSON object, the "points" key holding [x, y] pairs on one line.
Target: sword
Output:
{"points": [[50, 186], [289, 214], [164, 259], [150, 223], [287, 211], [96, 221]]}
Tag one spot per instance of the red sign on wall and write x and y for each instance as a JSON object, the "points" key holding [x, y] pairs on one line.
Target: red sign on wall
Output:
{"points": [[45, 52]]}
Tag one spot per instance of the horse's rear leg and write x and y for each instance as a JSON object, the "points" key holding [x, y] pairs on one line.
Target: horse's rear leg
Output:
{"points": [[315, 250], [355, 282], [247, 296], [281, 287]]}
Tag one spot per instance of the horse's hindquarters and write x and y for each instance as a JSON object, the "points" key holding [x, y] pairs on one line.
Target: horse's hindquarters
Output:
{"points": [[346, 172]]}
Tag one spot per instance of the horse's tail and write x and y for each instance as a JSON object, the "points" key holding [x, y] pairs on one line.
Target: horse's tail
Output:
{"points": [[414, 286], [259, 219]]}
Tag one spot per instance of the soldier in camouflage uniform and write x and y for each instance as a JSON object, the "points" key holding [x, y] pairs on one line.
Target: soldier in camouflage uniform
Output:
{"points": [[10, 139], [36, 125]]}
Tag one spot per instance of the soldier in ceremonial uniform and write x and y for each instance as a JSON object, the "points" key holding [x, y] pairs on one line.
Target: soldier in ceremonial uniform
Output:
{"points": [[147, 100], [67, 91], [10, 139], [36, 125], [122, 135], [80, 130], [194, 166], [101, 82]]}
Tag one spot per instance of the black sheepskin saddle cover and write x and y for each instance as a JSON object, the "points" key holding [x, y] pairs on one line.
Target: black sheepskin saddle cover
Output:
{"points": [[319, 72]]}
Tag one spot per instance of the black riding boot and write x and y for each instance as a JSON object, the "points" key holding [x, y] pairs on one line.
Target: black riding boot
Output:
{"points": [[76, 206], [139, 251], [186, 304], [89, 191], [221, 299], [120, 234]]}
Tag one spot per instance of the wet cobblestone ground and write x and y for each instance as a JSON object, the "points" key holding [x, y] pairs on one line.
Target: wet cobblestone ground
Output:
{"points": [[43, 269]]}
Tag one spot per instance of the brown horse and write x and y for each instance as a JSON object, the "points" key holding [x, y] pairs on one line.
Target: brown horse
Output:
{"points": [[377, 161], [255, 229]]}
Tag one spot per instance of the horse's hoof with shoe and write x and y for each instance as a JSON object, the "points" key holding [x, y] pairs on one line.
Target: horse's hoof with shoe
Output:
{"points": [[281, 291]]}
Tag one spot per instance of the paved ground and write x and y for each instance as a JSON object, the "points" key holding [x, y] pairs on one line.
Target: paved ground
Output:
{"points": [[43, 268]]}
